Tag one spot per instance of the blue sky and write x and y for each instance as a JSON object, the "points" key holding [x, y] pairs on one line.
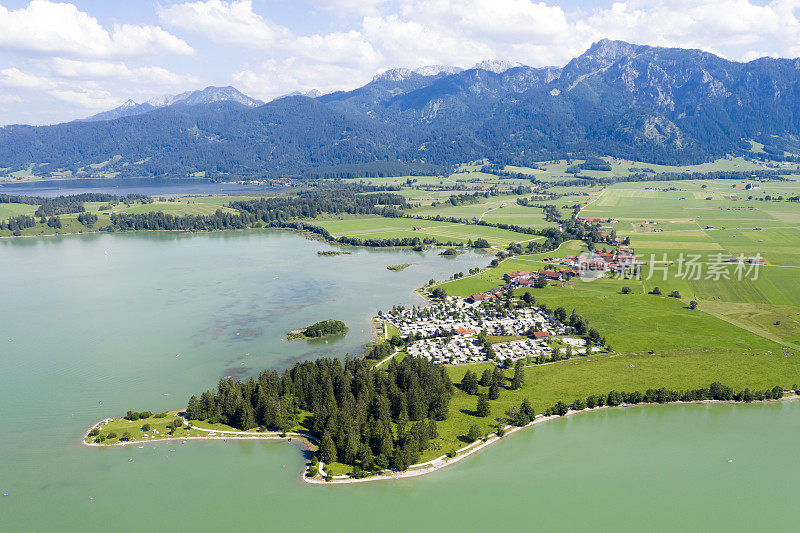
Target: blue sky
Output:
{"points": [[65, 60]]}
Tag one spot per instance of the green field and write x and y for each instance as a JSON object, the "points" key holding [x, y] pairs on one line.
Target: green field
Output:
{"points": [[578, 378], [158, 429], [555, 170], [377, 227], [11, 210]]}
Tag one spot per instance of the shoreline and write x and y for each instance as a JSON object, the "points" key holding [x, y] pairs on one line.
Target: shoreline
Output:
{"points": [[442, 461], [421, 469]]}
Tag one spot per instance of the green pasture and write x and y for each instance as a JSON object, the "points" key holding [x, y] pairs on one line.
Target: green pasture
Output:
{"points": [[12, 210], [580, 377], [376, 227]]}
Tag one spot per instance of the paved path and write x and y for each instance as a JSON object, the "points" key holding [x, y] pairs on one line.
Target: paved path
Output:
{"points": [[590, 202]]}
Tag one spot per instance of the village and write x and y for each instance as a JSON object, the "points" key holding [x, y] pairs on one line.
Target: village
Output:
{"points": [[457, 330]]}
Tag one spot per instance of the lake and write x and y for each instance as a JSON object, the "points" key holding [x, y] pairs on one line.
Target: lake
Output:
{"points": [[121, 187], [90, 327]]}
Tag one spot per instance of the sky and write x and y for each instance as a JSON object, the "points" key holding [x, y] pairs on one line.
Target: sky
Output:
{"points": [[60, 61]]}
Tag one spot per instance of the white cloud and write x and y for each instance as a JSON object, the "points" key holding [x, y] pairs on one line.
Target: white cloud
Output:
{"points": [[411, 43], [335, 48], [82, 93], [70, 68], [89, 98], [14, 77], [223, 22], [63, 29], [358, 7], [276, 78]]}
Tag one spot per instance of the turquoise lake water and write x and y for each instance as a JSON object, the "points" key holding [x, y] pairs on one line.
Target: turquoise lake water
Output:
{"points": [[101, 318]]}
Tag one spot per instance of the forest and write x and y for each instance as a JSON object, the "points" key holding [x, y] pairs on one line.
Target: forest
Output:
{"points": [[371, 418]]}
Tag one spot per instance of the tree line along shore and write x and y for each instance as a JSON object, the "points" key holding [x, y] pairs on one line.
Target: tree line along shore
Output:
{"points": [[405, 459]]}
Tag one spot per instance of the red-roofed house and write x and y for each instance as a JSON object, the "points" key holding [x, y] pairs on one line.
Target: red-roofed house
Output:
{"points": [[540, 334], [549, 274]]}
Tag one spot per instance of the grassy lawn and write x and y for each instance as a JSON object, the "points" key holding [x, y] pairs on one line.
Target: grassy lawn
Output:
{"points": [[158, 429], [581, 377], [377, 227], [11, 210]]}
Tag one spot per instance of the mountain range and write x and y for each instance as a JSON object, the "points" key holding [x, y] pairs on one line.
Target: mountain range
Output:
{"points": [[662, 105], [208, 96]]}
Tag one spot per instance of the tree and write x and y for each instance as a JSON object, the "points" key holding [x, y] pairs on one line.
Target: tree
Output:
{"points": [[474, 433], [469, 383], [693, 304], [656, 291], [146, 427], [560, 408], [674, 294], [626, 290], [483, 408], [193, 409], [126, 436], [519, 375], [433, 430], [439, 293], [494, 390], [528, 298], [327, 449], [481, 243], [486, 378], [527, 409]]}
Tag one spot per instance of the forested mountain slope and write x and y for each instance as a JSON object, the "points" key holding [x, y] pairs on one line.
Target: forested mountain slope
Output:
{"points": [[640, 102]]}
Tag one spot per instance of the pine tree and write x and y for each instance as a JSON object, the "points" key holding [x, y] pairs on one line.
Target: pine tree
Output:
{"points": [[486, 378], [482, 408], [433, 431], [494, 391], [497, 377], [527, 409], [519, 376], [469, 383], [327, 449], [193, 408]]}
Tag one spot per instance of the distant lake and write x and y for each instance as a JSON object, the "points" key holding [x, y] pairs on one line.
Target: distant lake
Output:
{"points": [[85, 335], [122, 187]]}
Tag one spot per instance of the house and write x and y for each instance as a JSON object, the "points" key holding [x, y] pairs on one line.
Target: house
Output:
{"points": [[416, 228], [477, 297], [540, 334], [549, 274], [466, 331]]}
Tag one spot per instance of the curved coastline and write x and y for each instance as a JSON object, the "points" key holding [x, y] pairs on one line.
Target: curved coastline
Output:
{"points": [[419, 469]]}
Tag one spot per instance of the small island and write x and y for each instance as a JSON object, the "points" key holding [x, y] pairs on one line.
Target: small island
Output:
{"points": [[325, 328], [399, 268], [332, 252], [452, 252]]}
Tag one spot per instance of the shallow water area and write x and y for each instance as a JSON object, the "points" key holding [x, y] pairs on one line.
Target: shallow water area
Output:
{"points": [[92, 326]]}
